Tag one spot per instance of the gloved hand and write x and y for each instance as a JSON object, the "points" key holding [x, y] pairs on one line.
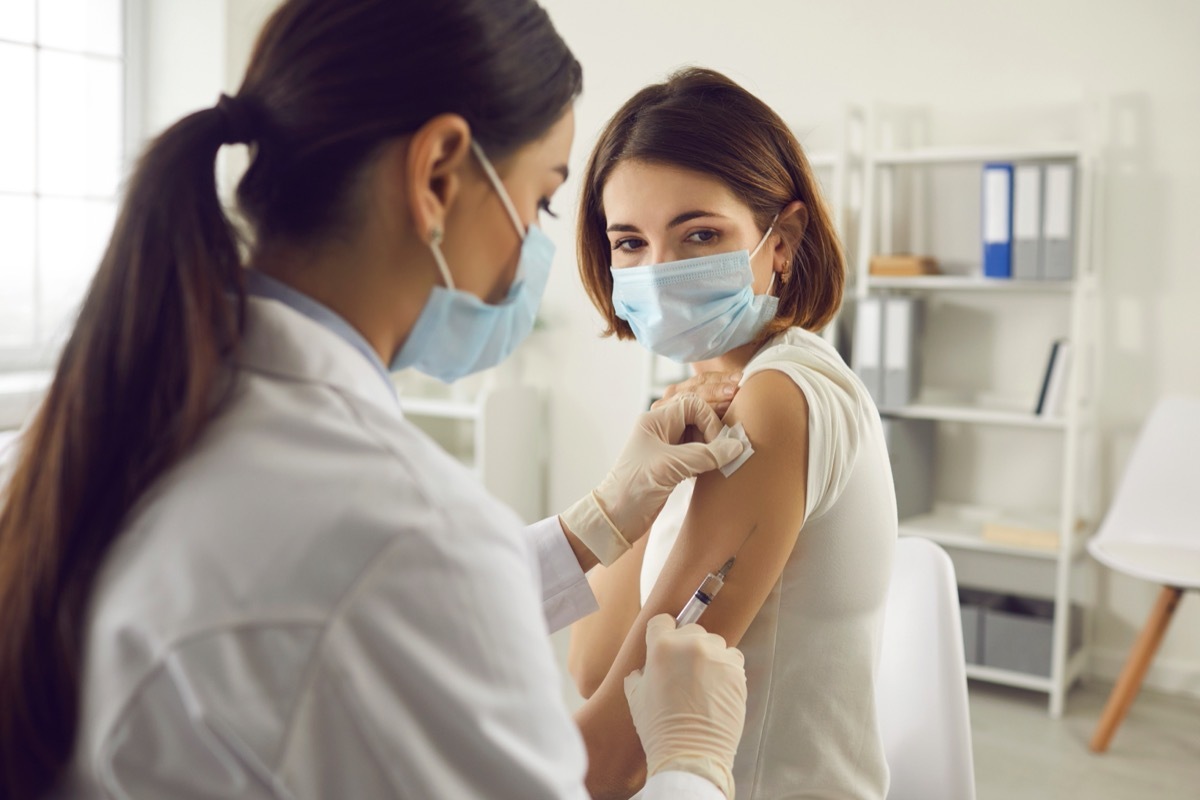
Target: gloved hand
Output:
{"points": [[619, 511], [689, 702]]}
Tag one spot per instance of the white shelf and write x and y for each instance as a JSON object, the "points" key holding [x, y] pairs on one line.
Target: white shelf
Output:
{"points": [[962, 283], [975, 415], [1023, 680], [1008, 677], [444, 409], [962, 528], [977, 155]]}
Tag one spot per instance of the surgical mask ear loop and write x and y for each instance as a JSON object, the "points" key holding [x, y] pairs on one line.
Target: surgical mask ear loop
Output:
{"points": [[766, 236], [435, 245], [498, 185], [763, 241]]}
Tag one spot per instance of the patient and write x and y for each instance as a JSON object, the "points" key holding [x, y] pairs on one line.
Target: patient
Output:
{"points": [[703, 235]]}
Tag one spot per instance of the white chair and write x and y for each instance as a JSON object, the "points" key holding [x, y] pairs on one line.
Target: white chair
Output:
{"points": [[1152, 532], [921, 690]]}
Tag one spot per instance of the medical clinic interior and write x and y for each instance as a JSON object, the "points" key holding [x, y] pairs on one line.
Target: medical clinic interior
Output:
{"points": [[828, 371]]}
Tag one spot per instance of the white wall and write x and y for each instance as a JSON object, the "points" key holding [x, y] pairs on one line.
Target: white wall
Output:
{"points": [[182, 58], [970, 64]]}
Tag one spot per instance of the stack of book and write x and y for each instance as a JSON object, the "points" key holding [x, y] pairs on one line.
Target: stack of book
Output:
{"points": [[1029, 531], [903, 265]]}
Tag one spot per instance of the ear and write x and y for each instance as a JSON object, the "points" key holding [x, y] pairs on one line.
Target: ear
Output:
{"points": [[792, 222], [436, 152]]}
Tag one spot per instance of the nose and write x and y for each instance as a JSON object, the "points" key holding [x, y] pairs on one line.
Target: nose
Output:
{"points": [[661, 254]]}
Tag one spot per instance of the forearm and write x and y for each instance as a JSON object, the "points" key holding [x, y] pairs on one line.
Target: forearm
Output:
{"points": [[597, 638], [616, 761]]}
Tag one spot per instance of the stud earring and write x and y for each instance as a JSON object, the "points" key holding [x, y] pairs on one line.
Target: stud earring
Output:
{"points": [[435, 235]]}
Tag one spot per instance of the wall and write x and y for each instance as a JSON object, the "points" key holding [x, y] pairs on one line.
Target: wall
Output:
{"points": [[971, 65], [182, 59]]}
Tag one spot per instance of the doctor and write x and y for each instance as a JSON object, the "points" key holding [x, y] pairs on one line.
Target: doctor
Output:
{"points": [[229, 567]]}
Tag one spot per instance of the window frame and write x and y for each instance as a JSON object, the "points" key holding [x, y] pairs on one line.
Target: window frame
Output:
{"points": [[22, 363]]}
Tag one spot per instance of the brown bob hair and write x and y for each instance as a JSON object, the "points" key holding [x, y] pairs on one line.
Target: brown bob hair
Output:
{"points": [[702, 121]]}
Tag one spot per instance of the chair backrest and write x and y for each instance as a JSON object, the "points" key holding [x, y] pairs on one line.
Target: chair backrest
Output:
{"points": [[1158, 501], [921, 688]]}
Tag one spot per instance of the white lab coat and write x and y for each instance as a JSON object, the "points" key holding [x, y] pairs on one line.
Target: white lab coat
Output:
{"points": [[318, 602]]}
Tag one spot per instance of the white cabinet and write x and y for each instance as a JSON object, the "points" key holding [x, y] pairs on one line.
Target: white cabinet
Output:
{"points": [[499, 434]]}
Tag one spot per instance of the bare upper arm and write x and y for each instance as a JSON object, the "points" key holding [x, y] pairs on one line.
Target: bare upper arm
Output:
{"points": [[766, 494]]}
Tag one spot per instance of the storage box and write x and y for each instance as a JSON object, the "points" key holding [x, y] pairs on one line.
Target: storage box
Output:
{"points": [[1019, 635], [973, 605]]}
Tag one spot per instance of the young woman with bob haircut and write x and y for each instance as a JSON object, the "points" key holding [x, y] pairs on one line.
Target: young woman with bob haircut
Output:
{"points": [[704, 236]]}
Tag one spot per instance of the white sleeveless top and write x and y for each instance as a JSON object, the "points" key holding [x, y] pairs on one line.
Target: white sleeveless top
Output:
{"points": [[811, 728]]}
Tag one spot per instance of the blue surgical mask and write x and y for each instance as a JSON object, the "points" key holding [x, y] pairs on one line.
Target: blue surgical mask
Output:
{"points": [[695, 309], [457, 333]]}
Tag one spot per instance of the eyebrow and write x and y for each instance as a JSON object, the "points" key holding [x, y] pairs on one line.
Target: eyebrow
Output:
{"points": [[686, 216]]}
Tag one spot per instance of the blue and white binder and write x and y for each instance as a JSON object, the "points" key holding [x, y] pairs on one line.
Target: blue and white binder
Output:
{"points": [[1027, 222], [997, 220]]}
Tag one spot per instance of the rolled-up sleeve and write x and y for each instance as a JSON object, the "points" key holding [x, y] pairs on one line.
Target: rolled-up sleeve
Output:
{"points": [[566, 594]]}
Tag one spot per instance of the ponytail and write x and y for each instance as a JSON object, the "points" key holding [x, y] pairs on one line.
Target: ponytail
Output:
{"points": [[138, 379]]}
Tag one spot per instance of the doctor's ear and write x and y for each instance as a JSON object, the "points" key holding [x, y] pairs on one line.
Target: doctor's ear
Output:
{"points": [[791, 225], [435, 153]]}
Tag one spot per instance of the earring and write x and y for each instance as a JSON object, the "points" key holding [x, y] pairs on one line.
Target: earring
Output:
{"points": [[435, 235]]}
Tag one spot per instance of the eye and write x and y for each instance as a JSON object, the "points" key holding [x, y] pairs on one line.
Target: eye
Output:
{"points": [[702, 237], [628, 244], [544, 205]]}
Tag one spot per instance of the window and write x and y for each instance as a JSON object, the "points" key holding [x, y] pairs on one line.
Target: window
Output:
{"points": [[62, 91]]}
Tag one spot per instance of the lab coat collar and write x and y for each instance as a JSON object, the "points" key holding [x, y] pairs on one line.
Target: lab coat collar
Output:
{"points": [[260, 284], [282, 341]]}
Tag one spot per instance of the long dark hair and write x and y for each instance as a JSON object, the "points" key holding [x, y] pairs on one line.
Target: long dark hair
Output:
{"points": [[146, 366], [702, 121]]}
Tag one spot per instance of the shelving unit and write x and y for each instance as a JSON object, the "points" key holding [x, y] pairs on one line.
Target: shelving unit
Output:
{"points": [[498, 435], [1059, 573]]}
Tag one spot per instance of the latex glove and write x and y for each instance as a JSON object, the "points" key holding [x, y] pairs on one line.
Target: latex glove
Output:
{"points": [[619, 511], [689, 702]]}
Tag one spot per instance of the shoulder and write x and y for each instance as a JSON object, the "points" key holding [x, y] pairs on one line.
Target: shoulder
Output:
{"points": [[774, 411], [839, 412]]}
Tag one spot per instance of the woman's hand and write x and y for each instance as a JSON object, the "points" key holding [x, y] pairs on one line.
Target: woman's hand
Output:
{"points": [[715, 388]]}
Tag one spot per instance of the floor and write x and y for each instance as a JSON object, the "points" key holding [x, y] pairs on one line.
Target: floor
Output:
{"points": [[1020, 752]]}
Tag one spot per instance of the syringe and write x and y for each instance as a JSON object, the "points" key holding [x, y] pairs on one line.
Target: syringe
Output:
{"points": [[703, 596]]}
